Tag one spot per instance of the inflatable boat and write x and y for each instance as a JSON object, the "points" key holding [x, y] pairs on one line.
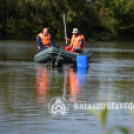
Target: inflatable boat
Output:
{"points": [[52, 53]]}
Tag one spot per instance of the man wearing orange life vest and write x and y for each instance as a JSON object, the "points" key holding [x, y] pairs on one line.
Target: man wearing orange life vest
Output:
{"points": [[77, 42], [45, 40]]}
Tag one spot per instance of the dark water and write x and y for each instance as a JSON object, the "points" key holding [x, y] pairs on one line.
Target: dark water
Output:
{"points": [[26, 89]]}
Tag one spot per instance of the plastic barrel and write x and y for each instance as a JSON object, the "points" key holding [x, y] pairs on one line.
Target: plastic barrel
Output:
{"points": [[82, 62]]}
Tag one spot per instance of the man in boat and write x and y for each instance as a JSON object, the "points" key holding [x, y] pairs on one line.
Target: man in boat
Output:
{"points": [[45, 40], [77, 42]]}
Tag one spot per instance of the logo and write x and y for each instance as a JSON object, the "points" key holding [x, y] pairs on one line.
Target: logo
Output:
{"points": [[58, 107]]}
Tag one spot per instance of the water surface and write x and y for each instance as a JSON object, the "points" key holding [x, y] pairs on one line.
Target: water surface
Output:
{"points": [[26, 88]]}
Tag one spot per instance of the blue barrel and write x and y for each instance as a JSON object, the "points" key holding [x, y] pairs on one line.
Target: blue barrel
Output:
{"points": [[82, 62]]}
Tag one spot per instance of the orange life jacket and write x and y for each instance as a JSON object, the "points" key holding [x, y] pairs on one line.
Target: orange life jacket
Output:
{"points": [[46, 40], [75, 41]]}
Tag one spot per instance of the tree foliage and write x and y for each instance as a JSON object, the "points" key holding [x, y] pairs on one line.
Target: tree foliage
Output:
{"points": [[24, 19]]}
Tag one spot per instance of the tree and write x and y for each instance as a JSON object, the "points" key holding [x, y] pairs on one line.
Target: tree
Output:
{"points": [[123, 13], [3, 19]]}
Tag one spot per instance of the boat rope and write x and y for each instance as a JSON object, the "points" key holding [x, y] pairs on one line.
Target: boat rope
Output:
{"points": [[59, 53], [58, 57], [69, 56]]}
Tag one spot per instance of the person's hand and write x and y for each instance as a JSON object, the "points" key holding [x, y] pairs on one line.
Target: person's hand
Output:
{"points": [[73, 50], [38, 48], [66, 38]]}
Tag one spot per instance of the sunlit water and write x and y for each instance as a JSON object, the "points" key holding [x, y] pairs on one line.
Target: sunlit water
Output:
{"points": [[27, 88]]}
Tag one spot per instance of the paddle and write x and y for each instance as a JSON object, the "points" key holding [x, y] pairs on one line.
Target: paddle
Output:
{"points": [[65, 29]]}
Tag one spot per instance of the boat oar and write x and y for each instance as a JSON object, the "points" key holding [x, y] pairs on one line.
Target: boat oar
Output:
{"points": [[65, 29]]}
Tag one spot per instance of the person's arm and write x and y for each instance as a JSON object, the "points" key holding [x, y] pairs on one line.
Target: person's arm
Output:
{"points": [[39, 42], [52, 42], [66, 38], [79, 46]]}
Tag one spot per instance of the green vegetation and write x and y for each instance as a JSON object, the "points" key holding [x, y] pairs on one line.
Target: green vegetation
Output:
{"points": [[103, 117], [24, 19]]}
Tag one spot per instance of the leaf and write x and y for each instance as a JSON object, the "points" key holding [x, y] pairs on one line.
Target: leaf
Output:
{"points": [[120, 128], [96, 113], [104, 116], [123, 130]]}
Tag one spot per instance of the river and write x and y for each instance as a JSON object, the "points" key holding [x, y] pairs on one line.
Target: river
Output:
{"points": [[27, 89]]}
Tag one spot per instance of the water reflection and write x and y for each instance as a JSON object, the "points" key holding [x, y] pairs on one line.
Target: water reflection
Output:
{"points": [[47, 81], [42, 83], [77, 81]]}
